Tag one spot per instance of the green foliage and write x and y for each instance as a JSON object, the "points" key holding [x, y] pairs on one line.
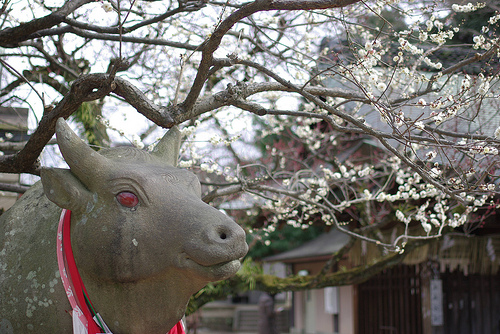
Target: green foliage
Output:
{"points": [[95, 132], [244, 280], [249, 270]]}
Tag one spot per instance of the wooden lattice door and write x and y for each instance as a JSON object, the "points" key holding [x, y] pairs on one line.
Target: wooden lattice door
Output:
{"points": [[391, 302]]}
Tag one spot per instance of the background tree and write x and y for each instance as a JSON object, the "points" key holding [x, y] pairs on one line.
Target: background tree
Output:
{"points": [[296, 113]]}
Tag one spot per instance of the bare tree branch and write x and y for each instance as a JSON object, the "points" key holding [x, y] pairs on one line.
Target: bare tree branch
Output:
{"points": [[15, 188], [112, 37], [257, 6], [85, 88], [11, 37]]}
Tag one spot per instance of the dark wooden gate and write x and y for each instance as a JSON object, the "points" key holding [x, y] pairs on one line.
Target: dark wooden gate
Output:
{"points": [[391, 302], [471, 303]]}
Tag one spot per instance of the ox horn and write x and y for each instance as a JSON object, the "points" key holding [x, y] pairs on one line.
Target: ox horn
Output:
{"points": [[169, 146], [78, 155]]}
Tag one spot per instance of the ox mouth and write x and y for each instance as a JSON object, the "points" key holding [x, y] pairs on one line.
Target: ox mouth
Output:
{"points": [[217, 271]]}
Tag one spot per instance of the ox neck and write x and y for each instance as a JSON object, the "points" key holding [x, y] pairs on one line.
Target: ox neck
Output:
{"points": [[147, 306], [139, 307]]}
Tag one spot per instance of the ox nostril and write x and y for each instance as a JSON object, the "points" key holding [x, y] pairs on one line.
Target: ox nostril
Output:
{"points": [[222, 234]]}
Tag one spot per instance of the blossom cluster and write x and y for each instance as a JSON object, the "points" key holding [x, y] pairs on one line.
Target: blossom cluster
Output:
{"points": [[469, 7]]}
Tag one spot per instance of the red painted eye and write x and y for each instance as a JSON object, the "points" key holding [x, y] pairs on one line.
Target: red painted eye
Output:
{"points": [[127, 199]]}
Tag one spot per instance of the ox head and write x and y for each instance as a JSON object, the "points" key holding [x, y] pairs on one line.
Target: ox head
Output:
{"points": [[137, 217]]}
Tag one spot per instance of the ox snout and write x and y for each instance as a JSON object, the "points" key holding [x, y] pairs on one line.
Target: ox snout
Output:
{"points": [[214, 250], [224, 240]]}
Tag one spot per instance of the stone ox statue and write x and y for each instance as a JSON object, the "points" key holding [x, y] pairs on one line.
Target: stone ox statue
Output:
{"points": [[143, 240]]}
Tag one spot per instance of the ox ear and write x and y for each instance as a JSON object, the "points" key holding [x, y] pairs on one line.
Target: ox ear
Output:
{"points": [[64, 189], [169, 146]]}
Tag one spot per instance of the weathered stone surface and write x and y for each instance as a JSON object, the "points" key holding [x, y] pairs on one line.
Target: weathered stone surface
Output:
{"points": [[31, 296]]}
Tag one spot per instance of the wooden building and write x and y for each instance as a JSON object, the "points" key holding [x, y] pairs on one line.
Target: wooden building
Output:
{"points": [[13, 129], [450, 286]]}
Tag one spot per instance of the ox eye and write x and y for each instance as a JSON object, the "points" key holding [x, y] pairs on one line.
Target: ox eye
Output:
{"points": [[127, 199]]}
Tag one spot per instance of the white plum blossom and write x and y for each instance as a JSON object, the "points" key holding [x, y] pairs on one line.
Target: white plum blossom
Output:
{"points": [[407, 46], [435, 172], [431, 155], [490, 150], [420, 125], [497, 133], [437, 66], [427, 227], [483, 88], [429, 25], [401, 216], [479, 41], [494, 19], [107, 6], [465, 83], [381, 86]]}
